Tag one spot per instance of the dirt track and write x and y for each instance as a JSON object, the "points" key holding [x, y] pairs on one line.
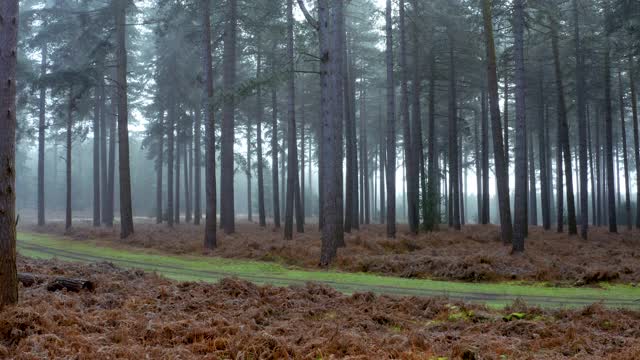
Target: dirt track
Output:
{"points": [[472, 293], [474, 254]]}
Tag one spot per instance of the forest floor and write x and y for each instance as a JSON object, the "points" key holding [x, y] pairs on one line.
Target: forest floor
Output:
{"points": [[475, 254], [132, 314]]}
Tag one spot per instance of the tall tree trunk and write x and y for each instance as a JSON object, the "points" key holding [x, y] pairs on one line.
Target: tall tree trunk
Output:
{"points": [[274, 157], [599, 175], [159, 167], [96, 158], [453, 139], [178, 152], [67, 222], [249, 200], [170, 155], [478, 163], [126, 211], [543, 157], [625, 158], [506, 118], [636, 134], [104, 182], [533, 194], [417, 142], [409, 154], [594, 202], [613, 223], [502, 174], [210, 239], [302, 154], [292, 151], [582, 128], [113, 127], [197, 168], [41, 137], [486, 199], [330, 39], [188, 174], [432, 217], [391, 128], [260, 117], [228, 119], [520, 223], [382, 169], [364, 157], [564, 146], [8, 64]]}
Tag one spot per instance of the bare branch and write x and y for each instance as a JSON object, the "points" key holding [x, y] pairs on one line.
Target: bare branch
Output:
{"points": [[313, 22]]}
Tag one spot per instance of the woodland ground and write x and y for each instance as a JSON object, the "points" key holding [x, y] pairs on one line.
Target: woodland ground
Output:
{"points": [[473, 254], [132, 313]]}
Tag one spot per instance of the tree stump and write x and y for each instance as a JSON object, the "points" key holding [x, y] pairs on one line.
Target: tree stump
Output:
{"points": [[74, 285]]}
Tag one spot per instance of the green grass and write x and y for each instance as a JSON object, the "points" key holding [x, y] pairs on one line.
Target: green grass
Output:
{"points": [[202, 268]]}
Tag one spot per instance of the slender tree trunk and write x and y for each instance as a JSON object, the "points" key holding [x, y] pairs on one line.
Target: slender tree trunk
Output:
{"points": [[8, 221], [506, 119], [67, 223], [249, 200], [391, 128], [582, 128], [409, 154], [520, 223], [502, 174], [260, 117], [210, 239], [594, 202], [113, 127], [126, 211], [302, 154], [420, 186], [41, 138], [613, 223], [563, 139], [478, 163], [292, 152], [599, 175], [159, 167], [170, 155], [432, 218], [188, 174], [96, 158], [533, 194], [274, 158], [453, 139], [382, 170], [364, 157], [625, 158], [486, 199], [543, 157], [104, 182], [178, 152], [197, 168], [228, 119], [636, 134]]}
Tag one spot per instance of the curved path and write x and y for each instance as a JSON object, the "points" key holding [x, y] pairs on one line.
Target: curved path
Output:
{"points": [[201, 268]]}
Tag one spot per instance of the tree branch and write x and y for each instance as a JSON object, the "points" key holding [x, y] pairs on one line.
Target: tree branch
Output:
{"points": [[313, 22]]}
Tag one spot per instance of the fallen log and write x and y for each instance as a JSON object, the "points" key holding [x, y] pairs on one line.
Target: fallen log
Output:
{"points": [[74, 285], [27, 279]]}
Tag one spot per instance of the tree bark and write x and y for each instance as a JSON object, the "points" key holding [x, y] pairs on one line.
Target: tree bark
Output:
{"points": [[454, 175], [8, 65], [197, 168], [502, 175], [41, 137], [486, 199], [543, 157], [260, 118], [70, 106], [104, 182], [170, 153], [636, 135], [228, 119], [391, 128], [159, 167], [113, 127], [126, 211], [178, 152], [613, 223], [432, 217], [625, 158], [274, 156], [210, 239], [520, 201], [96, 158], [582, 128]]}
